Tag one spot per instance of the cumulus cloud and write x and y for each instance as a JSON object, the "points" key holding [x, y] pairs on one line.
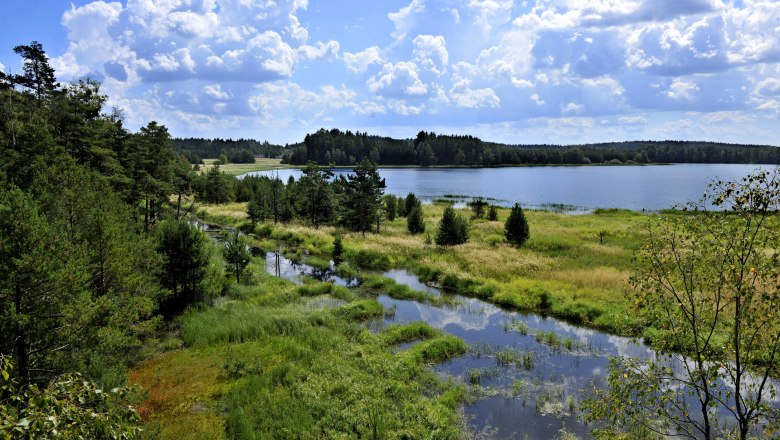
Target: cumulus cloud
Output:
{"points": [[431, 53], [682, 90], [358, 62], [596, 64], [398, 80], [463, 95]]}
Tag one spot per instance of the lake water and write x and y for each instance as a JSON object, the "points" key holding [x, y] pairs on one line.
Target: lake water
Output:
{"points": [[581, 188]]}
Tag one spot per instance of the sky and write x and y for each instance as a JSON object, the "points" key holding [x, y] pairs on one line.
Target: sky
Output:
{"points": [[544, 71]]}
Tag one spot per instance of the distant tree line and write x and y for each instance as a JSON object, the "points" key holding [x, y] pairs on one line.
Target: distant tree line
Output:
{"points": [[428, 148], [236, 151]]}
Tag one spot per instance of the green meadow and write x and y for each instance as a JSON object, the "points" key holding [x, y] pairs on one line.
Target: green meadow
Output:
{"points": [[575, 267]]}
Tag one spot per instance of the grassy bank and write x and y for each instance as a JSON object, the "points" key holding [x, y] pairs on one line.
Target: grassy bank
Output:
{"points": [[273, 360], [235, 169], [574, 266]]}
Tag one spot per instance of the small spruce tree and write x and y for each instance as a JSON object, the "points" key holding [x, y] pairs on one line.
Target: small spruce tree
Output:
{"points": [[493, 213], [409, 203], [478, 207], [453, 229], [516, 227], [414, 220], [338, 249]]}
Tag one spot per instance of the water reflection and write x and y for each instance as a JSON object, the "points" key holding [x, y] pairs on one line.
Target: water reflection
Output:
{"points": [[528, 372]]}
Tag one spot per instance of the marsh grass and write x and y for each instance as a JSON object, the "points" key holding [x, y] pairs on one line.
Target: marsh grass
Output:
{"points": [[265, 365], [565, 270]]}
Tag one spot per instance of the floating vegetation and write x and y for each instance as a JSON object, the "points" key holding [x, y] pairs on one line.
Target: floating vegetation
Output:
{"points": [[480, 350], [516, 325], [552, 340], [477, 375]]}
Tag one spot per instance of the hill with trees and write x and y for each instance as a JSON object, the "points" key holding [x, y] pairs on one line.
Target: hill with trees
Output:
{"points": [[428, 149]]}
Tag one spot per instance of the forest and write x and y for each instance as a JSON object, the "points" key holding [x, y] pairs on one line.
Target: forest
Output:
{"points": [[345, 148], [429, 149]]}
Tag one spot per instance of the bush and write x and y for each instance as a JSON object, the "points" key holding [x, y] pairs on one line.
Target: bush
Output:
{"points": [[414, 220], [516, 228], [453, 229]]}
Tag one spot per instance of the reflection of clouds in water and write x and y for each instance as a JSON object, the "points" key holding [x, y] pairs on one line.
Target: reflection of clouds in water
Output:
{"points": [[627, 347], [442, 317]]}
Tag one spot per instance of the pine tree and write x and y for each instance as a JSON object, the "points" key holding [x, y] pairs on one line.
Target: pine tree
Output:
{"points": [[409, 203], [316, 194], [38, 75], [256, 210], [414, 221], [338, 249], [453, 229], [493, 213], [236, 254], [478, 207], [516, 227], [362, 197], [185, 259]]}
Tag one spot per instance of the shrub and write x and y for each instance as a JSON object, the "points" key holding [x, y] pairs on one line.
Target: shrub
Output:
{"points": [[516, 227], [453, 229]]}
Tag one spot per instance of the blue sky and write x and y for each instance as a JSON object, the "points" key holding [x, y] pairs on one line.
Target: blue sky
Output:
{"points": [[544, 71]]}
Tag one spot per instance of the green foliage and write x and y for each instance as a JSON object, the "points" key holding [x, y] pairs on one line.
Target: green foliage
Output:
{"points": [[361, 198], [41, 289], [338, 249], [186, 257], [477, 206], [708, 281], [493, 213], [415, 222], [453, 229], [410, 202], [389, 204], [316, 194], [516, 228], [217, 187], [428, 148], [68, 408], [236, 254]]}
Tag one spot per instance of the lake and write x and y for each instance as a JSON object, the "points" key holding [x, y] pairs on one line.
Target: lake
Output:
{"points": [[582, 188]]}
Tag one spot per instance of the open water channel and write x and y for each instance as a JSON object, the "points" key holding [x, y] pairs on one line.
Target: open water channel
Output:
{"points": [[529, 372]]}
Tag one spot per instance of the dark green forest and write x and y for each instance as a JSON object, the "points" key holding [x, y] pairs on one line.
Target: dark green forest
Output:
{"points": [[338, 147], [428, 149], [96, 255], [235, 151]]}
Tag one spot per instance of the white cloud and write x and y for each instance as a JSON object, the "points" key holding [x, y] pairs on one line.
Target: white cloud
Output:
{"points": [[682, 90], [535, 98], [573, 108], [358, 62], [396, 80], [319, 52], [215, 91], [490, 13], [463, 95], [403, 19], [402, 108], [632, 120], [431, 53]]}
